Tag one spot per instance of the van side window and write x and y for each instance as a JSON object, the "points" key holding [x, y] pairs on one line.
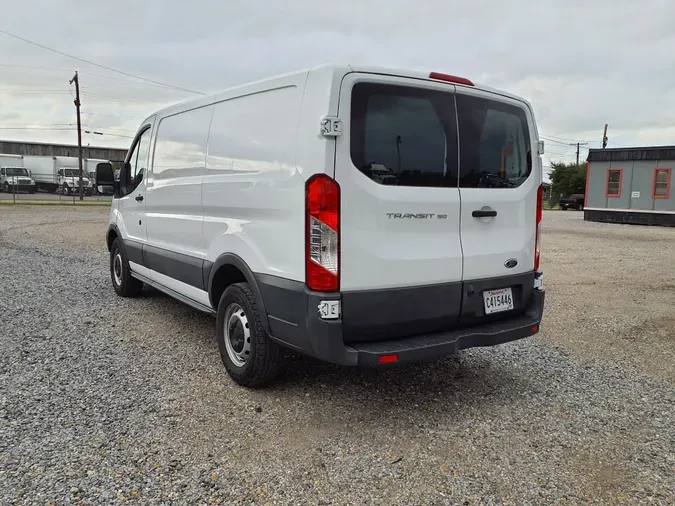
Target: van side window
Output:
{"points": [[404, 136], [494, 144], [180, 149], [139, 159]]}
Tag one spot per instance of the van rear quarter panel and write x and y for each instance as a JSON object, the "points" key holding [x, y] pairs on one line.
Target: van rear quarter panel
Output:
{"points": [[253, 193]]}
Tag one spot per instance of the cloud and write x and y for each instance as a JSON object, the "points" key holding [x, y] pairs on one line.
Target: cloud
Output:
{"points": [[581, 64]]}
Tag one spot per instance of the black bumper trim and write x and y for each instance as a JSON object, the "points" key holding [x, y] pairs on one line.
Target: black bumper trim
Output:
{"points": [[425, 347]]}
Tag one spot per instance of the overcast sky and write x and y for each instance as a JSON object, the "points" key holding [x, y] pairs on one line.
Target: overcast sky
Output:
{"points": [[580, 63]]}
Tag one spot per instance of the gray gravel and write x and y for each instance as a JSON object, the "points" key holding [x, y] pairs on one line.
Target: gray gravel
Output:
{"points": [[105, 400]]}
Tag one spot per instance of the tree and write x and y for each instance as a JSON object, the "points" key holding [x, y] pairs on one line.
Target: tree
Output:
{"points": [[567, 178]]}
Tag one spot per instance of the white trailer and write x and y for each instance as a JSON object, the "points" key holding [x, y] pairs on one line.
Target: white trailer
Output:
{"points": [[11, 161], [43, 171]]}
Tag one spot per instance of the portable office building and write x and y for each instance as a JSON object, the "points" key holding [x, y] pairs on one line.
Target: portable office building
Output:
{"points": [[631, 185]]}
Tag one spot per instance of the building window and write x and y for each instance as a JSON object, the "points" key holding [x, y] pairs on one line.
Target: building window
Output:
{"points": [[661, 187], [614, 177]]}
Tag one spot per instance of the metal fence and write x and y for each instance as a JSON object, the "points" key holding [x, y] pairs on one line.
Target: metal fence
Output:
{"points": [[16, 196]]}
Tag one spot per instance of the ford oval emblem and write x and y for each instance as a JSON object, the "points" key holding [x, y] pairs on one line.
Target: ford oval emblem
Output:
{"points": [[510, 263]]}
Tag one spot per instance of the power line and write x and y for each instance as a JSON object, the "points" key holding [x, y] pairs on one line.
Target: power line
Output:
{"points": [[60, 129], [94, 132], [98, 64], [564, 139], [103, 76], [113, 99]]}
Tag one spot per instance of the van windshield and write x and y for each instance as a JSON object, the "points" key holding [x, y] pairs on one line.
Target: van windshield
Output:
{"points": [[408, 136]]}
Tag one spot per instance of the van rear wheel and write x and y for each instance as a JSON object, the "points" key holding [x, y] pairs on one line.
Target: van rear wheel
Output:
{"points": [[250, 356]]}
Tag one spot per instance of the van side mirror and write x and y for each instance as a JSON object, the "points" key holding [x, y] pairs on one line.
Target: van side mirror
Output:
{"points": [[104, 176]]}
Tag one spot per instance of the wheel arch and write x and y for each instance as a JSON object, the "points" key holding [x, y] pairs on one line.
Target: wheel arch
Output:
{"points": [[230, 268], [112, 234]]}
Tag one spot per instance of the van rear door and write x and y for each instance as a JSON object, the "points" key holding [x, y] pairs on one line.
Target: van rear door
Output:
{"points": [[396, 164], [499, 176], [499, 179]]}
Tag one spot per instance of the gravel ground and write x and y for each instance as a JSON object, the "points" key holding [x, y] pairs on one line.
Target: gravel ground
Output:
{"points": [[105, 400]]}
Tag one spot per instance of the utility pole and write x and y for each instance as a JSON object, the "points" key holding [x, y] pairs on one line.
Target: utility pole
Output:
{"points": [[577, 144], [79, 128], [604, 137]]}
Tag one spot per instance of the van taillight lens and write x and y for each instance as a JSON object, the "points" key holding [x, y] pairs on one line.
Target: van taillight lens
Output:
{"points": [[537, 239], [322, 241]]}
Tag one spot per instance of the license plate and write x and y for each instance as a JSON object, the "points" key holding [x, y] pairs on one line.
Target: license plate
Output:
{"points": [[496, 301]]}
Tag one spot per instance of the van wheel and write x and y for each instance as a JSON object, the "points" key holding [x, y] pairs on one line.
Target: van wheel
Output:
{"points": [[124, 284], [65, 189], [250, 356]]}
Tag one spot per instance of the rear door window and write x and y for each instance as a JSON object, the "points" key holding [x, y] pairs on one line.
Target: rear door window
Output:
{"points": [[494, 143], [404, 136]]}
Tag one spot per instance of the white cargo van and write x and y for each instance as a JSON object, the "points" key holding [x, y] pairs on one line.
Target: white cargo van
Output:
{"points": [[362, 216]]}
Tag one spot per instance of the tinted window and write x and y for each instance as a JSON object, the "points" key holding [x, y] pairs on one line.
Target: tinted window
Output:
{"points": [[404, 136], [494, 144], [180, 149]]}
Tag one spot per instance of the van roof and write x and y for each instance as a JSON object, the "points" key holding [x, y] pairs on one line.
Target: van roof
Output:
{"points": [[334, 69]]}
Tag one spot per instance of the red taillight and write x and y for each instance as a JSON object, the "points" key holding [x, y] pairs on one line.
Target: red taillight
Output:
{"points": [[537, 239], [388, 359], [450, 79], [322, 229]]}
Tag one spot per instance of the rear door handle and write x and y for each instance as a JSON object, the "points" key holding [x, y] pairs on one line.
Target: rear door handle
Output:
{"points": [[139, 198], [484, 213]]}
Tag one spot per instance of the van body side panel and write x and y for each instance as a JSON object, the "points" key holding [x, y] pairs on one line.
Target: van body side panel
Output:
{"points": [[252, 193], [173, 196]]}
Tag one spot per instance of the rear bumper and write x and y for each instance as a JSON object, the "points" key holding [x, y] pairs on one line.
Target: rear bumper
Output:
{"points": [[294, 322], [412, 349]]}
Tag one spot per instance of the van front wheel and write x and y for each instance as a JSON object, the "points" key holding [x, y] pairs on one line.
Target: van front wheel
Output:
{"points": [[250, 356], [124, 284]]}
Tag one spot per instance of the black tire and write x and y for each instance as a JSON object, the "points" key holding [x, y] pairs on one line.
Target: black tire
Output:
{"points": [[564, 208], [6, 188], [265, 358], [65, 189], [580, 207], [124, 284]]}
